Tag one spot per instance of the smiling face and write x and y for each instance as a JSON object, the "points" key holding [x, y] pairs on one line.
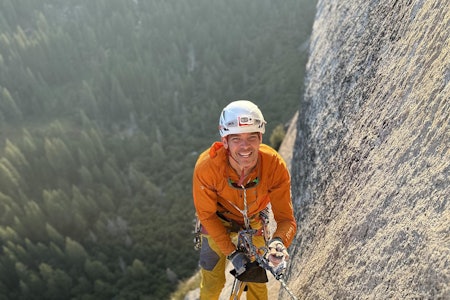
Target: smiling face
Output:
{"points": [[243, 149]]}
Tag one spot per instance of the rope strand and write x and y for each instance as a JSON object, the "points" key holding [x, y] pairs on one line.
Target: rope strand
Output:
{"points": [[244, 211]]}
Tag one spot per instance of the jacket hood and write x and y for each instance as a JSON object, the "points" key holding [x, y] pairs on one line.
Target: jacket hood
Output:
{"points": [[215, 149]]}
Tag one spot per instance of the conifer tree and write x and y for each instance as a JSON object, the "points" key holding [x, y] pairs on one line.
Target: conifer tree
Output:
{"points": [[8, 234], [10, 178], [54, 236], [95, 269], [75, 253], [33, 222], [28, 145], [58, 284], [8, 107], [85, 206], [14, 155], [60, 158], [31, 285], [87, 100]]}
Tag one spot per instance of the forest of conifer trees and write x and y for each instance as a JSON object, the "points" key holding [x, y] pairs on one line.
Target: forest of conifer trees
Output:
{"points": [[104, 107]]}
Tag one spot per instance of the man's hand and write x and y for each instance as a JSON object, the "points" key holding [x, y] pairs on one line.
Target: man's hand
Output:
{"points": [[277, 252], [239, 260]]}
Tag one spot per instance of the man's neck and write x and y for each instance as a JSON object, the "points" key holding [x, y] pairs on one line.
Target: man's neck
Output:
{"points": [[242, 172]]}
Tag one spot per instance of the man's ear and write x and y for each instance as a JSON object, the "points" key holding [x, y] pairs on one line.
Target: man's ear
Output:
{"points": [[225, 142]]}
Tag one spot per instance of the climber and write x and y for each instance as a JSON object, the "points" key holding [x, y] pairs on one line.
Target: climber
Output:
{"points": [[233, 182]]}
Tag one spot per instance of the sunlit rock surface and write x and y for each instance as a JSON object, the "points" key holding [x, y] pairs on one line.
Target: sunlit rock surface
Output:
{"points": [[371, 161]]}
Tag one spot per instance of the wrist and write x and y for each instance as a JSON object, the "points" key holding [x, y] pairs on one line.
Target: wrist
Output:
{"points": [[231, 255], [276, 239]]}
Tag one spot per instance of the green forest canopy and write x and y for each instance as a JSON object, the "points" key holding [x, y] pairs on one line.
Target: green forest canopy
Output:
{"points": [[104, 107]]}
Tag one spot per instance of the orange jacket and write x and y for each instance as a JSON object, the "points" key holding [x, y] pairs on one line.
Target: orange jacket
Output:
{"points": [[213, 192]]}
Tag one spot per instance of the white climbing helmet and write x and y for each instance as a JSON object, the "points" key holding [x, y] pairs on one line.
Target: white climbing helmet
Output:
{"points": [[241, 116]]}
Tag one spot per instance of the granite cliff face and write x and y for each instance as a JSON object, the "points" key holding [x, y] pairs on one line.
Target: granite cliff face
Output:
{"points": [[371, 160]]}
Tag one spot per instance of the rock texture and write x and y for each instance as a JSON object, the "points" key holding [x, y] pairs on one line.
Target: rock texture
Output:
{"points": [[287, 146], [371, 162]]}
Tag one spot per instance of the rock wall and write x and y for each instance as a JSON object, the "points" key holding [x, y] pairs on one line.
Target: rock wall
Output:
{"points": [[371, 160]]}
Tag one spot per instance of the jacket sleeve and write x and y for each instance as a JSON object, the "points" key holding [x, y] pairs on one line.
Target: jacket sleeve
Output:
{"points": [[205, 202], [280, 195]]}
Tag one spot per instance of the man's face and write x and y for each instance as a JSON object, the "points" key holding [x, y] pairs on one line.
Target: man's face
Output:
{"points": [[243, 148]]}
